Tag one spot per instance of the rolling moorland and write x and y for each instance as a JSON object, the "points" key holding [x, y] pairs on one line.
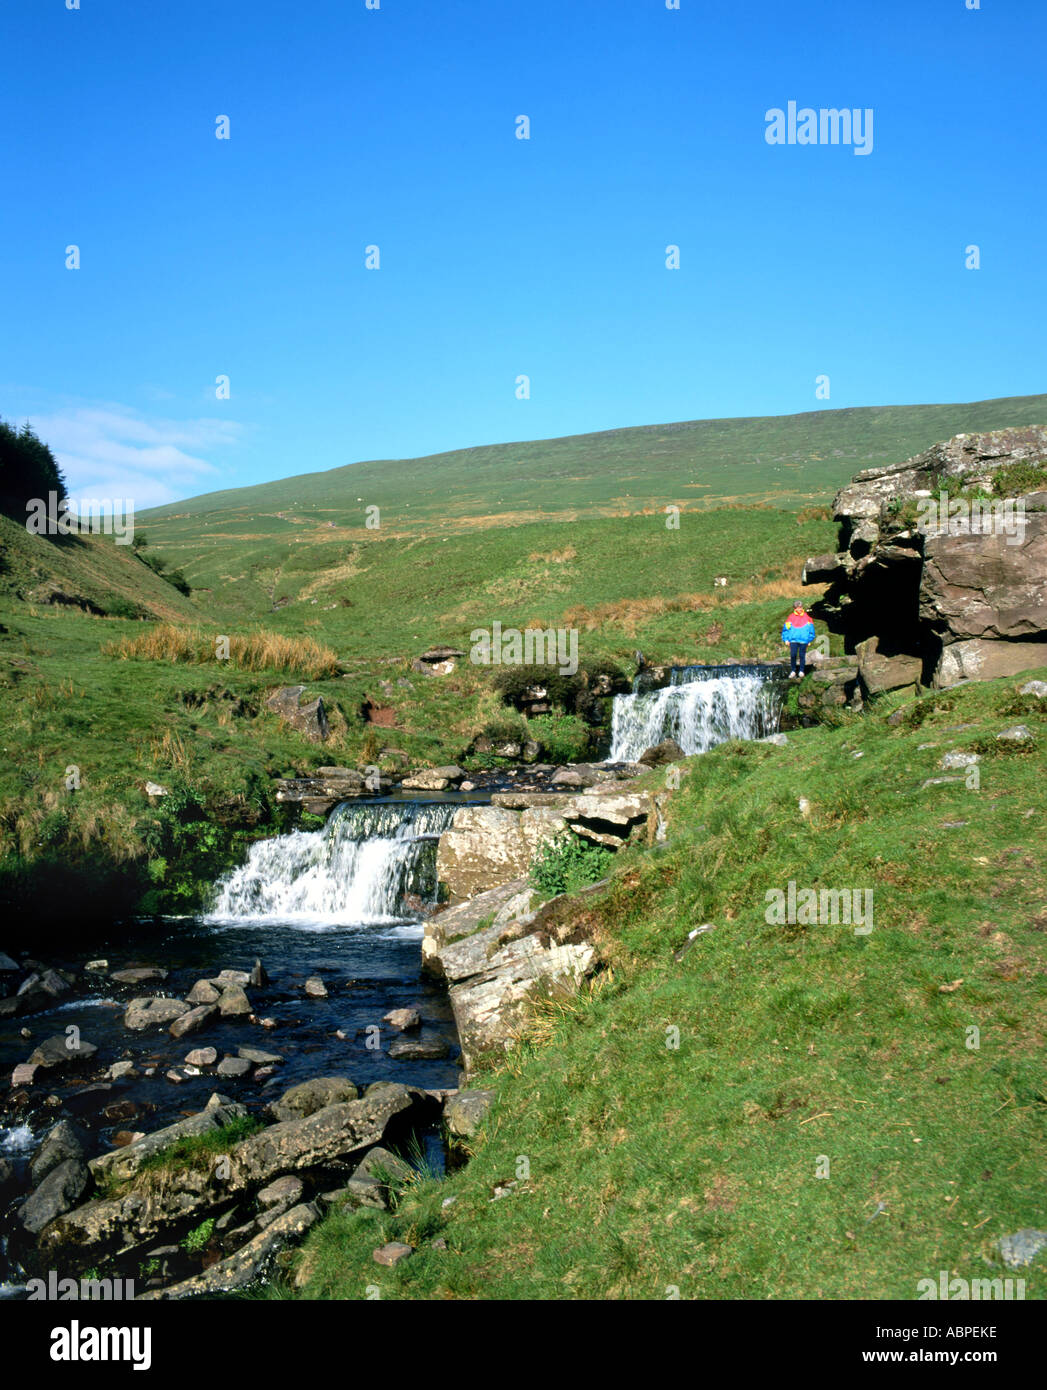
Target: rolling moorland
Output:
{"points": [[558, 533], [649, 1168]]}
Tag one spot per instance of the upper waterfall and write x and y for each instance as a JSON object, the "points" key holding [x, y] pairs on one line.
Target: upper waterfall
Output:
{"points": [[358, 868], [699, 709]]}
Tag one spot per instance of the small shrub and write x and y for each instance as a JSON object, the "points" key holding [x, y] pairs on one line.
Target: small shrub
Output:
{"points": [[1014, 479], [199, 1237], [567, 863]]}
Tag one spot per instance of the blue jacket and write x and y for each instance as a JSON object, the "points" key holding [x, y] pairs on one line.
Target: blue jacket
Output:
{"points": [[803, 634]]}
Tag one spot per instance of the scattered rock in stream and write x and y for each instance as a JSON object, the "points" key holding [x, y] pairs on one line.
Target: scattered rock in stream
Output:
{"points": [[153, 1012], [465, 1113]]}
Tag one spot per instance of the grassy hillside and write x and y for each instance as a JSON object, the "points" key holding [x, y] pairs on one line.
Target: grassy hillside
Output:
{"points": [[640, 1168], [786, 461], [445, 561], [88, 573], [125, 704]]}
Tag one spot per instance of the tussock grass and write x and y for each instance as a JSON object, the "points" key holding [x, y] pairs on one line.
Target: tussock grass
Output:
{"points": [[259, 651]]}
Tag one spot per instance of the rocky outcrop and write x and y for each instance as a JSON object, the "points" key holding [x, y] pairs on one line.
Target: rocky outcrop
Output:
{"points": [[329, 786], [912, 582], [151, 1204], [991, 587], [248, 1264], [882, 669], [489, 846], [981, 660], [501, 904], [494, 972], [309, 719]]}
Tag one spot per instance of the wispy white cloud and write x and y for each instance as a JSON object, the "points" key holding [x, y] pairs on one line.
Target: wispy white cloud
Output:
{"points": [[113, 451]]}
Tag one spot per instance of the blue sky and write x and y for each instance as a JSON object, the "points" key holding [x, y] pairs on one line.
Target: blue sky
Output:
{"points": [[500, 257]]}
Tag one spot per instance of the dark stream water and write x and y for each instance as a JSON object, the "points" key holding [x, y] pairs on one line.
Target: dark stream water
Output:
{"points": [[345, 904]]}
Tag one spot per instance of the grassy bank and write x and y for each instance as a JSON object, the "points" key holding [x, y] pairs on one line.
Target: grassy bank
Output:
{"points": [[641, 1168], [98, 705]]}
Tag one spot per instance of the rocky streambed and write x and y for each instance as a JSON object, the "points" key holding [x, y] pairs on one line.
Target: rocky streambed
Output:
{"points": [[181, 1115], [178, 1115]]}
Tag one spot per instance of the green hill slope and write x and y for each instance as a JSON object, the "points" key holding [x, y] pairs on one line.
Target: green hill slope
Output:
{"points": [[785, 460], [85, 573]]}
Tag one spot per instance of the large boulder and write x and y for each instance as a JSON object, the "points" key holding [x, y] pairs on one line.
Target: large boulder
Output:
{"points": [[463, 918], [154, 1012], [880, 669], [62, 1050], [330, 1133], [310, 1096], [668, 751], [487, 846], [465, 1112], [981, 660], [495, 972], [63, 1143], [309, 719], [59, 1192]]}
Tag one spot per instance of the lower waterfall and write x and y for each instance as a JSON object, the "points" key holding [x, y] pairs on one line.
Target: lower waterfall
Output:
{"points": [[358, 868]]}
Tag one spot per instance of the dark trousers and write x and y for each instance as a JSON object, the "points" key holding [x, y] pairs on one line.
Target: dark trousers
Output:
{"points": [[797, 654]]}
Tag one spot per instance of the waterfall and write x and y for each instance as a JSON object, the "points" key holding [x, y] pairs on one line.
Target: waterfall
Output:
{"points": [[358, 868], [699, 709]]}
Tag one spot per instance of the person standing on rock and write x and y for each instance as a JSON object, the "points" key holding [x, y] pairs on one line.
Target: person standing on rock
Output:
{"points": [[798, 634]]}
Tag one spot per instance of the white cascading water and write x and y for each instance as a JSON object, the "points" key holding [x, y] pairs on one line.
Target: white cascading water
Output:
{"points": [[356, 869], [698, 713]]}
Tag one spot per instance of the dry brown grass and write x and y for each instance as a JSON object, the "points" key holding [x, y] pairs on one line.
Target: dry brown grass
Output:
{"points": [[555, 557], [259, 651], [629, 614]]}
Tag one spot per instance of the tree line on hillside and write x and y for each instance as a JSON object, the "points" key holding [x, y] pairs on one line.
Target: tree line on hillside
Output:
{"points": [[28, 469]]}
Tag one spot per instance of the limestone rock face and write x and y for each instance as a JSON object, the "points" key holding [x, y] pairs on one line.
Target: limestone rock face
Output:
{"points": [[487, 846], [463, 918], [492, 973], [964, 460], [992, 587], [918, 587], [981, 660]]}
